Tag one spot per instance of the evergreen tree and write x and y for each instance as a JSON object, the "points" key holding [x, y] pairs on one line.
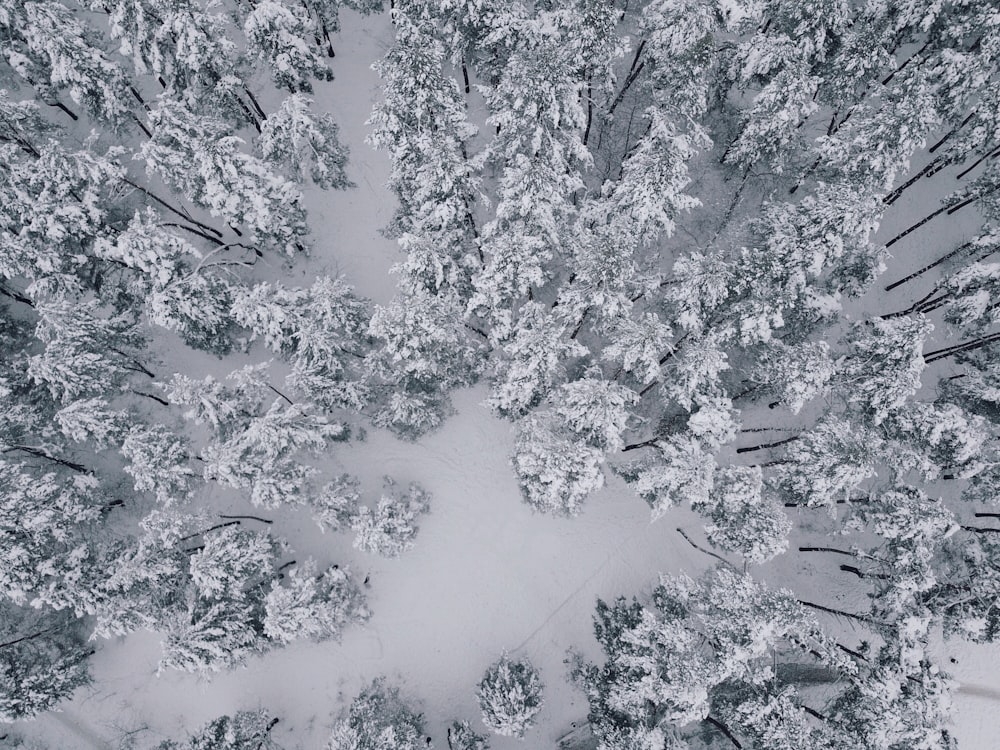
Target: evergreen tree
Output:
{"points": [[389, 529], [744, 518], [555, 470], [43, 660], [510, 695], [377, 718], [312, 606], [461, 736], [241, 731]]}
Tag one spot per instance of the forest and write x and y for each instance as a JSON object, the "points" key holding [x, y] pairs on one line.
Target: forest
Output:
{"points": [[732, 262]]}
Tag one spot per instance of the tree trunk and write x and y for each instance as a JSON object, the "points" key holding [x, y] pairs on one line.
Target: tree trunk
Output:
{"points": [[929, 266], [832, 611], [725, 730], [763, 446], [960, 348], [978, 161]]}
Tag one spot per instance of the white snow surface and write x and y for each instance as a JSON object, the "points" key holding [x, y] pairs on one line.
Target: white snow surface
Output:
{"points": [[486, 574]]}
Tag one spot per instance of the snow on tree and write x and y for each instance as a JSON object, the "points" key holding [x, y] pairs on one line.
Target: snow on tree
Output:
{"points": [[743, 517], [420, 343], [303, 142], [534, 359], [390, 528], [828, 462], [680, 470], [206, 637], [143, 578], [902, 700], [201, 159], [312, 606], [595, 410], [336, 504], [189, 300], [322, 331], [92, 419], [421, 351], [555, 469], [510, 695], [230, 561], [714, 421], [85, 353], [55, 206], [158, 462], [422, 123], [378, 718], [225, 409], [262, 455], [461, 736], [769, 130], [45, 519], [695, 371], [884, 364], [43, 659], [637, 344], [935, 438], [275, 34], [536, 108], [244, 730], [912, 527], [55, 51], [799, 373], [673, 660]]}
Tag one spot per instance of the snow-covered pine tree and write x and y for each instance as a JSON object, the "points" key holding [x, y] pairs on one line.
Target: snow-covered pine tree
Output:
{"points": [[304, 142], [705, 658], [377, 716], [276, 34], [461, 736], [201, 158], [390, 528], [322, 330], [510, 695], [743, 516], [43, 659], [311, 605], [244, 730]]}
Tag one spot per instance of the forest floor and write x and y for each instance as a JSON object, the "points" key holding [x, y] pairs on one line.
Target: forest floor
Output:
{"points": [[487, 574]]}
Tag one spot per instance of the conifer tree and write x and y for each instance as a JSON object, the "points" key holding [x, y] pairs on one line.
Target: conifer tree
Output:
{"points": [[510, 695]]}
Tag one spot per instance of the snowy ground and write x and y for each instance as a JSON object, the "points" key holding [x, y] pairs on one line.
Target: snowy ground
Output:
{"points": [[486, 574]]}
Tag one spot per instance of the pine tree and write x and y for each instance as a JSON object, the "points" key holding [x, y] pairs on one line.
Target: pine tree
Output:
{"points": [[510, 695], [744, 518], [312, 606], [533, 361], [461, 736], [244, 730], [555, 469], [885, 362], [828, 462], [275, 34], [304, 142], [200, 158], [322, 331], [43, 659], [390, 528], [378, 718], [680, 470]]}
